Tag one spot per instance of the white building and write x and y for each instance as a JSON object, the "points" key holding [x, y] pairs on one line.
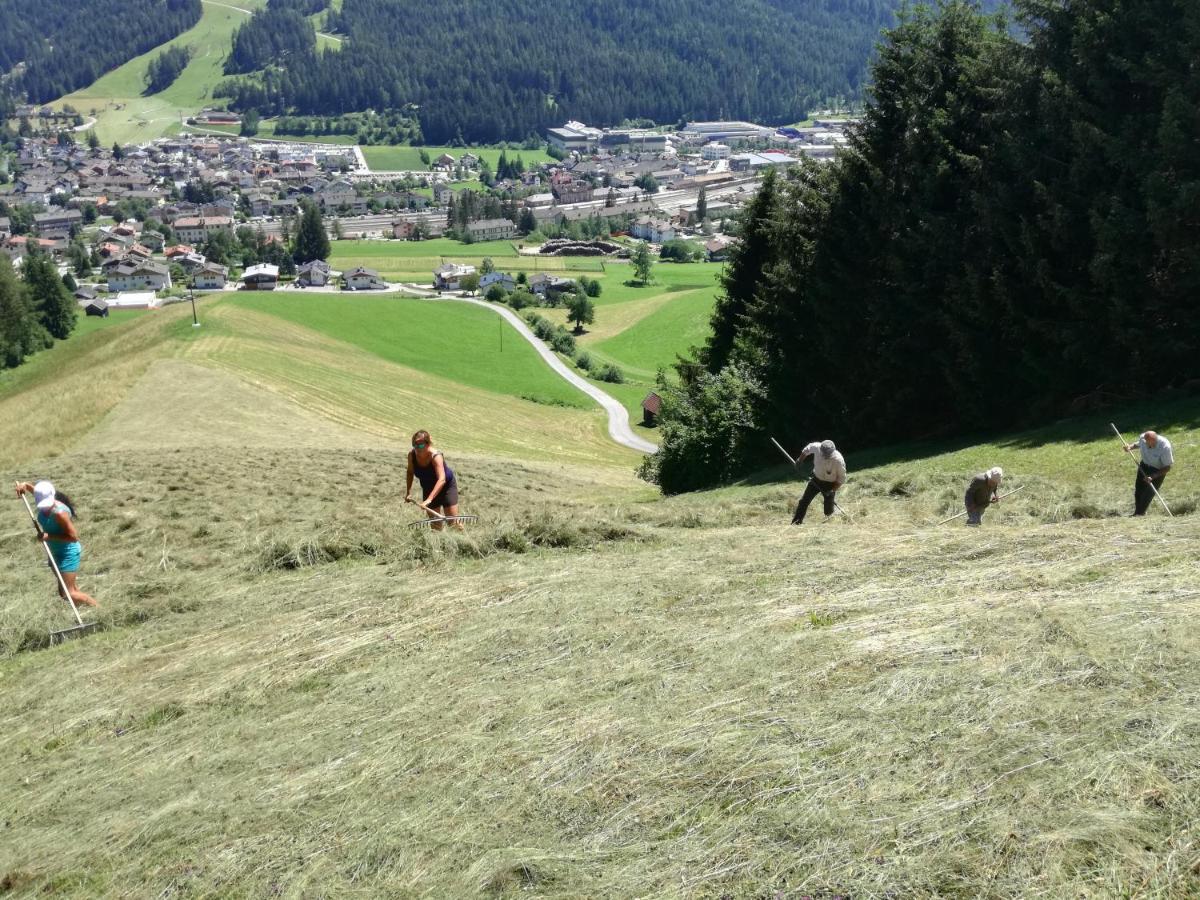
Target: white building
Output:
{"points": [[197, 229], [697, 132], [715, 151], [362, 279], [210, 277], [574, 136], [449, 276], [130, 276]]}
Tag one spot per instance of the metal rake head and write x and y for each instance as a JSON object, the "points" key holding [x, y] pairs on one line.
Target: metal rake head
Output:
{"points": [[440, 519]]}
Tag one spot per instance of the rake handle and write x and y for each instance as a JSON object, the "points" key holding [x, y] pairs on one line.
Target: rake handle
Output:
{"points": [[62, 582], [1125, 447], [787, 455], [1001, 497], [433, 517]]}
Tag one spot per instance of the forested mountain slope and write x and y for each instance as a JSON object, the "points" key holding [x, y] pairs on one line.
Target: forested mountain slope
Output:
{"points": [[505, 68], [1011, 237], [68, 44]]}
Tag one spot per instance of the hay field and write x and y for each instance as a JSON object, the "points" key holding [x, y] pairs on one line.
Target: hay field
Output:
{"points": [[593, 692]]}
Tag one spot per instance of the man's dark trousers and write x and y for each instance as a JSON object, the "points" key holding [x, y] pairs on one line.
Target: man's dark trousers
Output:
{"points": [[1142, 494], [815, 486]]}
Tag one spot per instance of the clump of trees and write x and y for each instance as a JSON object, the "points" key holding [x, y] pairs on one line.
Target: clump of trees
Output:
{"points": [[1009, 238], [166, 67], [311, 241], [679, 250], [35, 309]]}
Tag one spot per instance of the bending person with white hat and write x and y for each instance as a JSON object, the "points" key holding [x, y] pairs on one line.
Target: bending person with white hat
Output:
{"points": [[56, 527], [829, 474], [982, 493]]}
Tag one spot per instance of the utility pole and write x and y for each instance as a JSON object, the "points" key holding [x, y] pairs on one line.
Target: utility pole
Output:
{"points": [[192, 297]]}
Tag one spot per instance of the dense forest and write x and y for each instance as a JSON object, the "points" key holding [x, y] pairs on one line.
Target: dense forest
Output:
{"points": [[277, 36], [488, 70], [65, 46], [1012, 237]]}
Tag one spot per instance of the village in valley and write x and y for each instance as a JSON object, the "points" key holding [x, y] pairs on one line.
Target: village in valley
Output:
{"points": [[137, 227]]}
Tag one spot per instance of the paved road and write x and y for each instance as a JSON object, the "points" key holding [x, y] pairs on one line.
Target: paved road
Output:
{"points": [[618, 417]]}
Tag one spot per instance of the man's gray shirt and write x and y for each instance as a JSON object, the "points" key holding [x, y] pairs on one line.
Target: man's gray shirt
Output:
{"points": [[1159, 456]]}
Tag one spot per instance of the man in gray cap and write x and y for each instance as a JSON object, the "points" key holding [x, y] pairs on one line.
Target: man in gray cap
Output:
{"points": [[829, 474], [1157, 459], [981, 493]]}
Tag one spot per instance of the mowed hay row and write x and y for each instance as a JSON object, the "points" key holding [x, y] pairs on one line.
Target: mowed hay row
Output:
{"points": [[163, 532], [712, 711]]}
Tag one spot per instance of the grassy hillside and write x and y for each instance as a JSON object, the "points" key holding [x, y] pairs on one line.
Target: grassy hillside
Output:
{"points": [[125, 116], [460, 343], [591, 693], [357, 385], [642, 328]]}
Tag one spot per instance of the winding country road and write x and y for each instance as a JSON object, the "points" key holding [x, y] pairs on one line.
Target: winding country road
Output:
{"points": [[619, 428]]}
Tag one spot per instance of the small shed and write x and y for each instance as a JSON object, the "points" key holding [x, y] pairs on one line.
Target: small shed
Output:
{"points": [[97, 307], [651, 407]]}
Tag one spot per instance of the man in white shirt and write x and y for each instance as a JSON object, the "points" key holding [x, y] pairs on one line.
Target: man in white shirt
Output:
{"points": [[829, 474], [1157, 459]]}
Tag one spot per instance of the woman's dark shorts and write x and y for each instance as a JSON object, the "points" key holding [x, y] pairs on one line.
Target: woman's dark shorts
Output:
{"points": [[447, 496]]}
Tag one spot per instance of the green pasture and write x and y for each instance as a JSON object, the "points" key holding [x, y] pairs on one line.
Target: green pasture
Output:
{"points": [[85, 325], [454, 341], [414, 261], [433, 248], [395, 159]]}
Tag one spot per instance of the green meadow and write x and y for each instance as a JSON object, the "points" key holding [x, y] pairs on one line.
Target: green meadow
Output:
{"points": [[396, 159], [592, 691], [639, 328], [463, 344], [414, 261]]}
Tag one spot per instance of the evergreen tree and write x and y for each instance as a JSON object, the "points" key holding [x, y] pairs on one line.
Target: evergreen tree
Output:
{"points": [[311, 241], [53, 305], [20, 334], [740, 278]]}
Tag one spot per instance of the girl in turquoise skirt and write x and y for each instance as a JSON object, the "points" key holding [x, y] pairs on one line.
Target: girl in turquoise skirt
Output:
{"points": [[56, 522]]}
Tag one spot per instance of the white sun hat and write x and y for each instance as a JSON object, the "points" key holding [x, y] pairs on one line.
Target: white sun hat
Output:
{"points": [[43, 493]]}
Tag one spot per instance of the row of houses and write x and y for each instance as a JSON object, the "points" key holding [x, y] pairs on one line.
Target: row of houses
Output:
{"points": [[451, 276]]}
